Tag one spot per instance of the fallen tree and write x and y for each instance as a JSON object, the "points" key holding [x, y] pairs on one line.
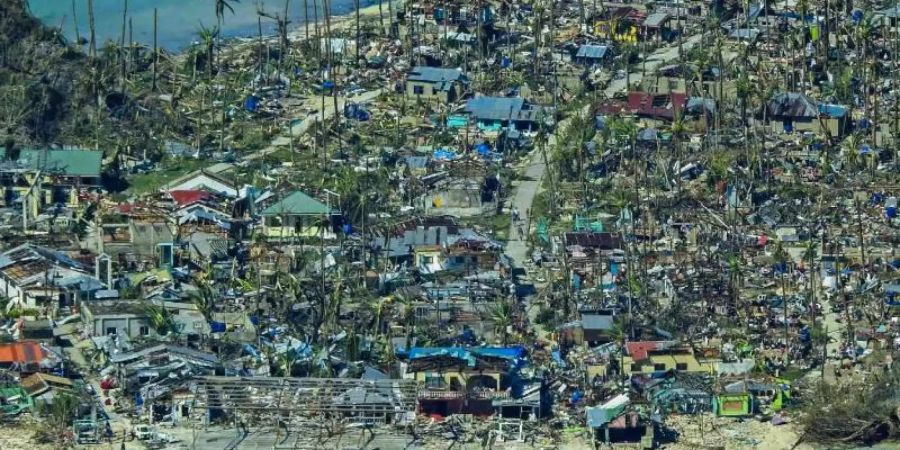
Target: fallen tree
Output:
{"points": [[863, 410]]}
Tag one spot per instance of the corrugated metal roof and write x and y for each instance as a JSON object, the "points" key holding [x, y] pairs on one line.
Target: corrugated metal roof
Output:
{"points": [[596, 322], [792, 105], [297, 203], [21, 352], [80, 163], [495, 108], [434, 74], [592, 51], [656, 19]]}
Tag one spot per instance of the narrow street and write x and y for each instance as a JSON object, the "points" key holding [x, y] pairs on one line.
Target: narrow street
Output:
{"points": [[298, 130]]}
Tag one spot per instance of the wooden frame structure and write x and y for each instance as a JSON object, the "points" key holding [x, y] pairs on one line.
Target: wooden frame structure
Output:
{"points": [[312, 396]]}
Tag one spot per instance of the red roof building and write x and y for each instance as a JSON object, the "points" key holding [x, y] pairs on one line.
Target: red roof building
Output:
{"points": [[189, 197]]}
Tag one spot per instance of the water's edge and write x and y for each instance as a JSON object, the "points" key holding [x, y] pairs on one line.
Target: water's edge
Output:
{"points": [[179, 20]]}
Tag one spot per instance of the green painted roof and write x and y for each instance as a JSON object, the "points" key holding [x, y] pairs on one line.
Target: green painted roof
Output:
{"points": [[296, 204], [80, 163]]}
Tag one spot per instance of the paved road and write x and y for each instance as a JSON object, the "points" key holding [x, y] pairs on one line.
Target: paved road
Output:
{"points": [[299, 129], [517, 245]]}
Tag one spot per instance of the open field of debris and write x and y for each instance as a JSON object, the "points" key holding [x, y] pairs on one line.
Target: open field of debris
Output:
{"points": [[441, 225]]}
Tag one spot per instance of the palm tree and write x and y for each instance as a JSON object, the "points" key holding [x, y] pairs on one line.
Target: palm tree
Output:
{"points": [[160, 319], [221, 6], [204, 300], [208, 37], [501, 316], [286, 363], [736, 277]]}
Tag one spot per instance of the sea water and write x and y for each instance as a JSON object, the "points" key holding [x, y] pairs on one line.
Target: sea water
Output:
{"points": [[179, 20]]}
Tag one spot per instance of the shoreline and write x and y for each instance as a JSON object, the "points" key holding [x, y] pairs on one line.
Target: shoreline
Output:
{"points": [[339, 24]]}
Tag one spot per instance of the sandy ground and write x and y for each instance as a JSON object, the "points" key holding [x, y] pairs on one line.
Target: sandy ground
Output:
{"points": [[732, 434], [20, 437]]}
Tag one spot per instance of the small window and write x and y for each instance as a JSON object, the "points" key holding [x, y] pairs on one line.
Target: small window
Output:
{"points": [[145, 331], [434, 381], [111, 330], [418, 90], [659, 367], [681, 366]]}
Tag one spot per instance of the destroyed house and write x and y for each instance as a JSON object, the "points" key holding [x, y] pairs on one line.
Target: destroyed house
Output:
{"points": [[118, 318], [657, 106], [32, 276], [461, 380], [494, 113], [446, 85], [594, 241], [26, 357], [653, 357], [50, 176], [619, 24], [204, 180], [615, 422], [790, 111], [684, 394], [434, 248]]}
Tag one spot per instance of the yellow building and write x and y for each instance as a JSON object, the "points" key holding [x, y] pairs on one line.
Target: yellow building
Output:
{"points": [[679, 360], [619, 25]]}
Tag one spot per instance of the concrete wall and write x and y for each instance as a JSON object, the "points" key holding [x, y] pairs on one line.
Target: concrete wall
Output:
{"points": [[428, 91], [125, 325]]}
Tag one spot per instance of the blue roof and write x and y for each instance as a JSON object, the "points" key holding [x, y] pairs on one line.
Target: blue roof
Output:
{"points": [[495, 108], [515, 353], [834, 111], [592, 51], [434, 74]]}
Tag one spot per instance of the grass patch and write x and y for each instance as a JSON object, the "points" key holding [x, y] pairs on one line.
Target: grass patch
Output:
{"points": [[169, 170], [500, 224]]}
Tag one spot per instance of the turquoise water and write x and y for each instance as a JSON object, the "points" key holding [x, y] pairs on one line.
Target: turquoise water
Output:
{"points": [[179, 20]]}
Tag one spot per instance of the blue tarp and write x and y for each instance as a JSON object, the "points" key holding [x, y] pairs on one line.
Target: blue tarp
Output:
{"points": [[252, 351], [515, 353], [443, 155], [216, 327], [252, 103]]}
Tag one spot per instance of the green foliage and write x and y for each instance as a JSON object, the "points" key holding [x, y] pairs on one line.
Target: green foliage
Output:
{"points": [[856, 411], [160, 319], [61, 411]]}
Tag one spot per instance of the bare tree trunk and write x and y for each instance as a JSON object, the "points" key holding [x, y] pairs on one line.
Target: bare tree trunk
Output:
{"points": [[306, 18], [380, 15], [358, 33], [155, 46], [92, 45], [122, 45], [75, 24]]}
